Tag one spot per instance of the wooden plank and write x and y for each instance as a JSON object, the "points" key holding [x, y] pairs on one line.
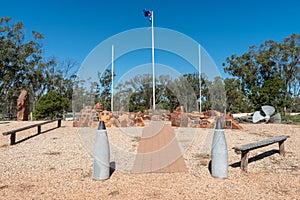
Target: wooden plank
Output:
{"points": [[32, 126], [259, 144], [12, 133], [19, 129]]}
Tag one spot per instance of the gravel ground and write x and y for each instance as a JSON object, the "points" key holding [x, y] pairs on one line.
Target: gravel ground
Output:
{"points": [[58, 165]]}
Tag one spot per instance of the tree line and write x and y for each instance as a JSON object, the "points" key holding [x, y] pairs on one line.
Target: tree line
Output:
{"points": [[24, 66], [265, 75], [268, 74]]}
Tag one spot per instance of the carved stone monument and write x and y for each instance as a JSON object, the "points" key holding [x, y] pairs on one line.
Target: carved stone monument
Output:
{"points": [[23, 106]]}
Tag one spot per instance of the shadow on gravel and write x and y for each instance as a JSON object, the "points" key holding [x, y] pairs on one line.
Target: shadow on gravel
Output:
{"points": [[209, 167], [32, 136], [255, 158], [112, 168]]}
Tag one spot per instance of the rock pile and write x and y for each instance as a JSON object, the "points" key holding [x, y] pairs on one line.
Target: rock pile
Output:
{"points": [[90, 116]]}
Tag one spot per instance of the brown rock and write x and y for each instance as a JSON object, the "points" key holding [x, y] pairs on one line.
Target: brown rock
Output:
{"points": [[204, 123], [230, 123], [139, 121], [124, 120], [155, 117], [112, 122], [176, 116], [23, 106], [105, 116], [86, 117], [99, 107]]}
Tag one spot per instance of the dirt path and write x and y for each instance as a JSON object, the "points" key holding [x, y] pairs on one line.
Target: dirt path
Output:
{"points": [[158, 151]]}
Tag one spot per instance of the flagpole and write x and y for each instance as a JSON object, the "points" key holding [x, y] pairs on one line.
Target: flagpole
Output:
{"points": [[200, 90], [112, 78], [153, 71]]}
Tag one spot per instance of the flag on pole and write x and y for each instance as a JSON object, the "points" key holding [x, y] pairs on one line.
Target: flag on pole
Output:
{"points": [[148, 14]]}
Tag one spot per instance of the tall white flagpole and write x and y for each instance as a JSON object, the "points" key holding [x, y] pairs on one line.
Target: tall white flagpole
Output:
{"points": [[200, 90], [153, 71], [112, 78]]}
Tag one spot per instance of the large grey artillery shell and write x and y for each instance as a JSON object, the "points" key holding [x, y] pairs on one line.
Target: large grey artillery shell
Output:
{"points": [[219, 153], [101, 156]]}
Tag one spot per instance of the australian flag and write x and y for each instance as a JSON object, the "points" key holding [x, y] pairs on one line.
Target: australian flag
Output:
{"points": [[148, 14]]}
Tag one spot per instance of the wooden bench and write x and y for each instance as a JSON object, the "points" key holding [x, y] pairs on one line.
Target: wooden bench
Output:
{"points": [[244, 149], [12, 133]]}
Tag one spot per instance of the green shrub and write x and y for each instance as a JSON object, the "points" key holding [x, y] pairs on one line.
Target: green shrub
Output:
{"points": [[50, 106]]}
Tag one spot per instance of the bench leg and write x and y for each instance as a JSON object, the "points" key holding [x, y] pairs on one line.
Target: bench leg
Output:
{"points": [[244, 160], [281, 148], [39, 129], [12, 138]]}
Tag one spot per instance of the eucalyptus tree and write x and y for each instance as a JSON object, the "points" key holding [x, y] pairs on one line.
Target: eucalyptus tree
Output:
{"points": [[235, 99], [268, 73], [104, 88], [290, 49], [136, 93], [19, 59], [23, 66]]}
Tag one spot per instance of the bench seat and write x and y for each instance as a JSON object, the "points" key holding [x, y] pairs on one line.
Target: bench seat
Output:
{"points": [[244, 149]]}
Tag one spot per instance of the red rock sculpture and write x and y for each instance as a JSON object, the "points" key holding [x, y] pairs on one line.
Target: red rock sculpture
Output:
{"points": [[23, 106]]}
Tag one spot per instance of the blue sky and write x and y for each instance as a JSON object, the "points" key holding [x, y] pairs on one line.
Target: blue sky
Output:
{"points": [[74, 28]]}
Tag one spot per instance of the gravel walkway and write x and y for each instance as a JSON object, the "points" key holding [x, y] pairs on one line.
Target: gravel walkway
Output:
{"points": [[58, 164]]}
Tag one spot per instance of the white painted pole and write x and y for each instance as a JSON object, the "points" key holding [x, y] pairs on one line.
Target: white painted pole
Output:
{"points": [[200, 90], [112, 78], [153, 70]]}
